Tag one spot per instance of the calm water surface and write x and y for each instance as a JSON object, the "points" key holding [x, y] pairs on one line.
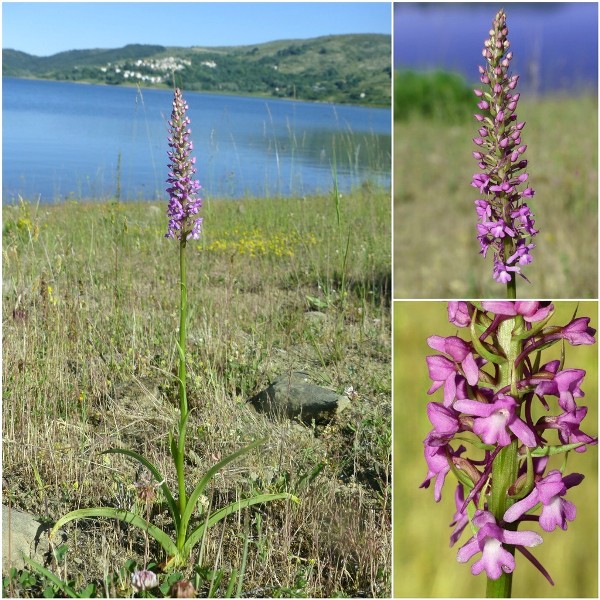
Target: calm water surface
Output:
{"points": [[555, 43], [63, 140]]}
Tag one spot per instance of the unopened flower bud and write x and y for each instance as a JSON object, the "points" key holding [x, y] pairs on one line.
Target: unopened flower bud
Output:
{"points": [[462, 464], [182, 589]]}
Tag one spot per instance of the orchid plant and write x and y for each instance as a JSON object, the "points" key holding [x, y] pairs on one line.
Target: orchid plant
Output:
{"points": [[485, 433], [184, 224], [505, 223]]}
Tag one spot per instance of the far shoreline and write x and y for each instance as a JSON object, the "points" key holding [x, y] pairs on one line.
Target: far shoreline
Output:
{"points": [[211, 92], [207, 199]]}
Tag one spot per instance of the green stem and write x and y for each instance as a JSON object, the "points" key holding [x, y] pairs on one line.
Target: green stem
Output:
{"points": [[183, 408], [504, 474], [506, 466], [511, 286]]}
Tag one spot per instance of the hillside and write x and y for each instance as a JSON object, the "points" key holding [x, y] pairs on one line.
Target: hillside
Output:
{"points": [[352, 68]]}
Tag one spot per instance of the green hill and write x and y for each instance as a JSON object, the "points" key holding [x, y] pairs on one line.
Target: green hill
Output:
{"points": [[353, 68]]}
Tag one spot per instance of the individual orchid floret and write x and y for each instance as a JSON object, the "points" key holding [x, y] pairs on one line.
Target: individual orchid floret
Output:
{"points": [[578, 332], [461, 519], [568, 426], [439, 459], [444, 372], [489, 540], [548, 491], [505, 223], [494, 421], [458, 314], [445, 423], [184, 202], [566, 385], [460, 352]]}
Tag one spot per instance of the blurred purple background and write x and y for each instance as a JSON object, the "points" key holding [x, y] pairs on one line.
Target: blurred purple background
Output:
{"points": [[555, 44]]}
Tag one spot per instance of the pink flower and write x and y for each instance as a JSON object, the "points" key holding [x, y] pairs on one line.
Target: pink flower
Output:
{"points": [[577, 332], [458, 314], [460, 352], [438, 467], [568, 428], [494, 421], [489, 540], [445, 424], [565, 385], [549, 491], [530, 311]]}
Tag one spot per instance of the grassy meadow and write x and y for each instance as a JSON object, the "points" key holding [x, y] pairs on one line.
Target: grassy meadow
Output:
{"points": [[90, 319], [424, 564], [436, 253]]}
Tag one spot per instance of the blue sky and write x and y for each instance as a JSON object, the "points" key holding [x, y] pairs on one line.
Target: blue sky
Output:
{"points": [[44, 28]]}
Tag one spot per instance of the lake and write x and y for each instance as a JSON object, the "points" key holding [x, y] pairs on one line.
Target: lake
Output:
{"points": [[75, 141], [555, 44]]}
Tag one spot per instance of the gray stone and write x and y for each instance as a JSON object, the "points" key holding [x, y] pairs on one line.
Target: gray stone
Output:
{"points": [[293, 396], [22, 534]]}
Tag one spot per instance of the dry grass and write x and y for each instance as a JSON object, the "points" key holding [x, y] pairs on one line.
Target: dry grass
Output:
{"points": [[89, 316], [436, 254]]}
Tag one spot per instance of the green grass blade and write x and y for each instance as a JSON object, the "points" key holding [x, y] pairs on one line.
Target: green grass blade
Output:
{"points": [[122, 515], [242, 573], [231, 584], [218, 515], [64, 587], [193, 499], [157, 475]]}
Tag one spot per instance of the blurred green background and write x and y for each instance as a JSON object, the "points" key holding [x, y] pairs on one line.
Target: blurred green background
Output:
{"points": [[424, 564]]}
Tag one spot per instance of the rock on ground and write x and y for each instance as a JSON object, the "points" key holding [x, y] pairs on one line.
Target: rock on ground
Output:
{"points": [[293, 396], [22, 534]]}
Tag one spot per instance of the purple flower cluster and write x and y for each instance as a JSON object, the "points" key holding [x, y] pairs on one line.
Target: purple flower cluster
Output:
{"points": [[480, 409], [184, 202], [505, 222]]}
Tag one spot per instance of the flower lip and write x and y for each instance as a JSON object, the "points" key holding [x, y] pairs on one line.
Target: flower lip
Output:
{"points": [[494, 421], [489, 540]]}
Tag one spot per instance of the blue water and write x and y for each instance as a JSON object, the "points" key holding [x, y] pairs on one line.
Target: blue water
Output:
{"points": [[63, 140], [555, 45]]}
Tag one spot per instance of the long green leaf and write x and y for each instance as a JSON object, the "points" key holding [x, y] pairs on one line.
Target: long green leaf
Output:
{"points": [[193, 499], [64, 587], [218, 515], [157, 475], [122, 515]]}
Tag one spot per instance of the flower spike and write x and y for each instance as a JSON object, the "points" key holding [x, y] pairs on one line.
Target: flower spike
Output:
{"points": [[489, 386], [505, 222], [184, 202]]}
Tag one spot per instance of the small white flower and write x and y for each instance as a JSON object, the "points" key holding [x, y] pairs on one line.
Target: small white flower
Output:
{"points": [[143, 580], [351, 393]]}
